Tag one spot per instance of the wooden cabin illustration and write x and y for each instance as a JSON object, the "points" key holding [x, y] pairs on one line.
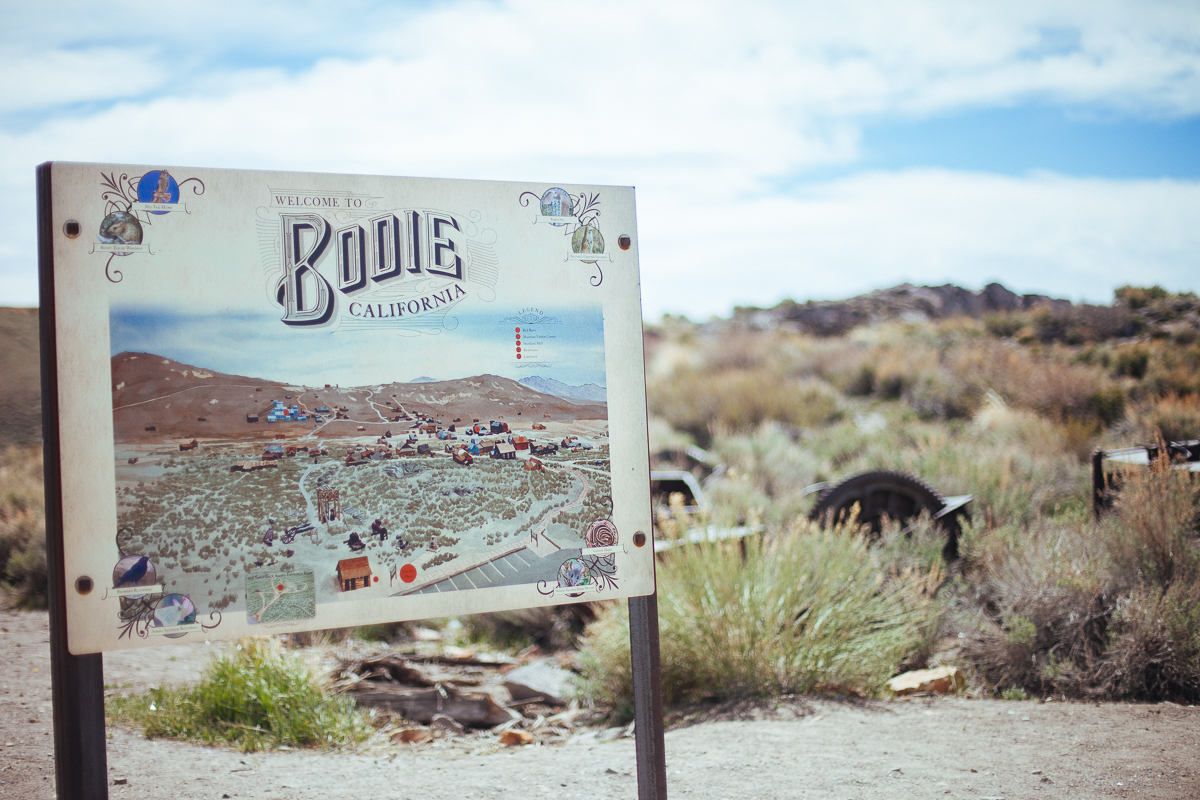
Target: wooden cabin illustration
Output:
{"points": [[354, 573]]}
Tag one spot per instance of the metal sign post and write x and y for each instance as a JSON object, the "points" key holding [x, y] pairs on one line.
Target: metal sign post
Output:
{"points": [[647, 698], [77, 682], [278, 402]]}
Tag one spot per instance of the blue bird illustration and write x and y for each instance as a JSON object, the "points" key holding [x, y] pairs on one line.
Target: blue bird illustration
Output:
{"points": [[135, 573]]}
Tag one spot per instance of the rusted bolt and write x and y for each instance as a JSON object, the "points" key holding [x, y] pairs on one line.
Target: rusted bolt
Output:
{"points": [[83, 584], [639, 539], [623, 241], [71, 228]]}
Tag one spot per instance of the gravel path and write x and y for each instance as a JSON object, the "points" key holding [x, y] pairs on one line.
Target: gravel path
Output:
{"points": [[814, 749]]}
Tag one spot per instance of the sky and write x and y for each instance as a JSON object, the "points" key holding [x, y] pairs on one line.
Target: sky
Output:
{"points": [[567, 345], [780, 150]]}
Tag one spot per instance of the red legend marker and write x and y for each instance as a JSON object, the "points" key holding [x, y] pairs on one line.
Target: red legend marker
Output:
{"points": [[376, 578], [280, 587], [518, 337], [518, 330], [408, 573], [518, 355]]}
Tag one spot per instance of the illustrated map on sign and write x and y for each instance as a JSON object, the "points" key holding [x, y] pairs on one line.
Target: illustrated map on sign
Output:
{"points": [[400, 406]]}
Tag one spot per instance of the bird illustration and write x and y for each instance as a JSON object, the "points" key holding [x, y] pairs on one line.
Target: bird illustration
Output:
{"points": [[135, 573], [162, 194]]}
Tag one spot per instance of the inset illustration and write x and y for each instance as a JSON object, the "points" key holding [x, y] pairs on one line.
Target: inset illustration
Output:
{"points": [[557, 203], [574, 574], [130, 203], [120, 227], [174, 611], [158, 186], [601, 533], [132, 573], [587, 239], [280, 596], [587, 243]]}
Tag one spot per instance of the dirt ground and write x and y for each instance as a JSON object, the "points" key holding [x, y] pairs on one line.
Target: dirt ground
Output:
{"points": [[924, 748]]}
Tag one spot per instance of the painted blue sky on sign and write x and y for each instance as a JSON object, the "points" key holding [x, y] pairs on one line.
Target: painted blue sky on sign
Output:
{"points": [[779, 149], [568, 348]]}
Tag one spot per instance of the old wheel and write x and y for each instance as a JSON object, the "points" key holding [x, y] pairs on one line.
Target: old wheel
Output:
{"points": [[883, 493]]}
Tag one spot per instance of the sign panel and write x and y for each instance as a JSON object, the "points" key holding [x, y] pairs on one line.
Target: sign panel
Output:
{"points": [[302, 401]]}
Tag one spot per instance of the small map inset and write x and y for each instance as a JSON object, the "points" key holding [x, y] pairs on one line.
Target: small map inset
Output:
{"points": [[280, 596]]}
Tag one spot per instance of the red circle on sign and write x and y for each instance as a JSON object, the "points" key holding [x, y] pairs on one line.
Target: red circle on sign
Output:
{"points": [[518, 355], [518, 330], [280, 587], [375, 578], [408, 573], [518, 337], [518, 348]]}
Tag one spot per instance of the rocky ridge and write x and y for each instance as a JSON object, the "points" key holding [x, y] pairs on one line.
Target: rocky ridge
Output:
{"points": [[906, 302]]}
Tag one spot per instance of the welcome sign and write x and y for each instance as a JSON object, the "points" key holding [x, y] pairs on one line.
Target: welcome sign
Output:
{"points": [[300, 401]]}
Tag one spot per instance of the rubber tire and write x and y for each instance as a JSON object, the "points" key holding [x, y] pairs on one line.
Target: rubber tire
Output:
{"points": [[898, 495]]}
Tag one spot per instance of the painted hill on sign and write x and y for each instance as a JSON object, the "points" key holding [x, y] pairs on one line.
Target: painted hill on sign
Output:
{"points": [[157, 399]]}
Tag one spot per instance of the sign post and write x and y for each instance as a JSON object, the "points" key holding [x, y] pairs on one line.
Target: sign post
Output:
{"points": [[278, 402], [77, 681]]}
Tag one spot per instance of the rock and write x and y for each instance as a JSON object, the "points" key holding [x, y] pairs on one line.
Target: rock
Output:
{"points": [[458, 653], [542, 678], [412, 736], [610, 734], [940, 680], [442, 724], [515, 738], [120, 781]]}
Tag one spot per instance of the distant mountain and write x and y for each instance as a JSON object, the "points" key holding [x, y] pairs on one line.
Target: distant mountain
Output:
{"points": [[423, 379], [587, 393]]}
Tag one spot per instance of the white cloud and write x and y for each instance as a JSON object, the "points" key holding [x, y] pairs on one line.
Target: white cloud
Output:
{"points": [[1075, 238], [699, 104], [63, 77]]}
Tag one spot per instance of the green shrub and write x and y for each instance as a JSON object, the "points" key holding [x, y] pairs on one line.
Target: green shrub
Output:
{"points": [[1131, 362], [739, 399], [807, 610], [1136, 297], [1005, 326], [256, 697]]}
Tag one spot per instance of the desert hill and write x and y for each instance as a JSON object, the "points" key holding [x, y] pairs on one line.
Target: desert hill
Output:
{"points": [[137, 377], [483, 397], [157, 399], [21, 388]]}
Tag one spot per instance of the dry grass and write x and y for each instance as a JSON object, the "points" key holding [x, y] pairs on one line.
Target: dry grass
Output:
{"points": [[1085, 609], [1172, 418], [23, 580], [740, 398], [802, 611]]}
